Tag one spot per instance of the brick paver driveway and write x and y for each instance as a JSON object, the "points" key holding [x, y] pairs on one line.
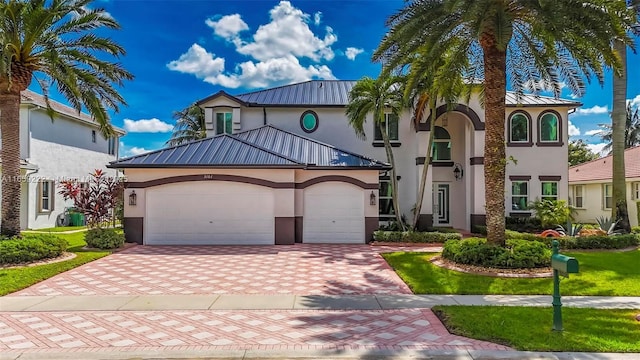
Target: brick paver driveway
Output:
{"points": [[249, 270], [302, 269]]}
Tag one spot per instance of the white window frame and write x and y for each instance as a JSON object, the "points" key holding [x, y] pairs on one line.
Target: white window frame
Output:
{"points": [[550, 197], [385, 179], [604, 196], [224, 121], [526, 196], [635, 190], [49, 185], [575, 196]]}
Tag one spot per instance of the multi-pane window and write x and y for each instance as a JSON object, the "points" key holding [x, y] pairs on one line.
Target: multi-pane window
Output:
{"points": [[635, 190], [519, 195], [578, 196], [441, 144], [224, 123], [607, 198], [549, 190], [385, 203], [46, 194], [390, 124], [519, 127], [112, 145], [549, 128]]}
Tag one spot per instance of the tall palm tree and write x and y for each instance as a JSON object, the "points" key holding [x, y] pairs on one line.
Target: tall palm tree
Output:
{"points": [[189, 126], [490, 41], [369, 96], [53, 42], [620, 211]]}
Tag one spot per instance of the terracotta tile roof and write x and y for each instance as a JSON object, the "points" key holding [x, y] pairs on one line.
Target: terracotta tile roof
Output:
{"points": [[601, 169], [30, 97]]}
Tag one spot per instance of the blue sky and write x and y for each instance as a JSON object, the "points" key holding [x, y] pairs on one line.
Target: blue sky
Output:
{"points": [[183, 51]]}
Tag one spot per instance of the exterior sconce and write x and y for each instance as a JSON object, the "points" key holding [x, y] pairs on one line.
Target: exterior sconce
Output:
{"points": [[133, 198], [458, 172], [372, 198]]}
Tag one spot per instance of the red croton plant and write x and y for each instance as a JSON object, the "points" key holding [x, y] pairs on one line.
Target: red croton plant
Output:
{"points": [[97, 200]]}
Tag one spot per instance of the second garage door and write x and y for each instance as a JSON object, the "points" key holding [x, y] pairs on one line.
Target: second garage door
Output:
{"points": [[209, 213], [333, 213]]}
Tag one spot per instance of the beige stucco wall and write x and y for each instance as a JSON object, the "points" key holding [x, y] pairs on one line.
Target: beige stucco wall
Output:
{"points": [[593, 202]]}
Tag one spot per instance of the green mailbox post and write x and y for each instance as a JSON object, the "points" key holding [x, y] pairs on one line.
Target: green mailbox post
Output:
{"points": [[562, 265]]}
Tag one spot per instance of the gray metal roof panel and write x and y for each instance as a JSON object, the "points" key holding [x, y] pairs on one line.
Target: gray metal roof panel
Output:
{"points": [[305, 150], [336, 93]]}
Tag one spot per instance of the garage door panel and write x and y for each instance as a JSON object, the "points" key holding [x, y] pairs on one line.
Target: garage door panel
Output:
{"points": [[209, 213], [333, 213]]}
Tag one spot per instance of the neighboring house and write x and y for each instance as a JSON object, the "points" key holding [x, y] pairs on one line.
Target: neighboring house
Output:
{"points": [[69, 147], [591, 190], [536, 134]]}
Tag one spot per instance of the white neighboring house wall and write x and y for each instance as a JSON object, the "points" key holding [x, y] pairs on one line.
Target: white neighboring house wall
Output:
{"points": [[60, 149], [467, 196], [593, 201]]}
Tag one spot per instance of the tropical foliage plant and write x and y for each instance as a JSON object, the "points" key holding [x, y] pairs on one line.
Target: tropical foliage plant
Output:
{"points": [[189, 126]]}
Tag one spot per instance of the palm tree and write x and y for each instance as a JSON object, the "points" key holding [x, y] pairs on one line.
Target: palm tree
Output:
{"points": [[631, 130], [52, 40], [189, 126], [376, 96], [486, 40]]}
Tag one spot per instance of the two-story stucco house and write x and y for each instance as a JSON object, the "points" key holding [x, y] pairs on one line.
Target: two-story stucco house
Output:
{"points": [[69, 147], [319, 189]]}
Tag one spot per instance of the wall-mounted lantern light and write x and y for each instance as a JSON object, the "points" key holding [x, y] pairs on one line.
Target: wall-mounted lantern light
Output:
{"points": [[133, 198], [372, 198], [458, 172]]}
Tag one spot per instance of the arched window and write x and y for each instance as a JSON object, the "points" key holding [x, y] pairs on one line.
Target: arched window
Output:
{"points": [[549, 128], [441, 144], [519, 128]]}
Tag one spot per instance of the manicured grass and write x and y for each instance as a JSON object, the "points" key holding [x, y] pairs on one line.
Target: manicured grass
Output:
{"points": [[601, 273], [61, 229], [12, 280], [529, 328]]}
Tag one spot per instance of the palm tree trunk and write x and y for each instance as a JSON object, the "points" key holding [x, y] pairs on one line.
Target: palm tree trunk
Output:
{"points": [[619, 211], [494, 143], [425, 167], [394, 178], [10, 130]]}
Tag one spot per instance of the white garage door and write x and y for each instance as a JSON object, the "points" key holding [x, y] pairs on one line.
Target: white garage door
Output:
{"points": [[209, 213], [333, 213]]}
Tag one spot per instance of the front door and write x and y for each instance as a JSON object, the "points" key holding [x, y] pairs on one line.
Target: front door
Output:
{"points": [[441, 204]]}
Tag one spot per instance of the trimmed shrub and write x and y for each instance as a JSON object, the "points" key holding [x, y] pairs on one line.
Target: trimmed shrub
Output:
{"points": [[516, 254], [582, 242], [523, 224], [522, 236], [31, 247], [415, 236], [479, 229], [104, 238], [635, 229]]}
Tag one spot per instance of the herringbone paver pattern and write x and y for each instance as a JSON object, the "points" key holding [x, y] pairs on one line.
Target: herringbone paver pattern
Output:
{"points": [[303, 269], [270, 329]]}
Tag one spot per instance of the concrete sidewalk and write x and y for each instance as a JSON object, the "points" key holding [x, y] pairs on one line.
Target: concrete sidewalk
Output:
{"points": [[294, 302]]}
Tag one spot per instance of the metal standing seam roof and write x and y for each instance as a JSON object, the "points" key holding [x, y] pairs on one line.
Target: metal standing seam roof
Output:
{"points": [[305, 150], [266, 146], [336, 93]]}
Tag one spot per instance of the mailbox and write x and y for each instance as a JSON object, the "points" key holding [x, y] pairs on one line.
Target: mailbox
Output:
{"points": [[564, 264]]}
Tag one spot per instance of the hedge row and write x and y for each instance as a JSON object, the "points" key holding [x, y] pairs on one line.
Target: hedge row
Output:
{"points": [[583, 242], [415, 236], [31, 247], [517, 254]]}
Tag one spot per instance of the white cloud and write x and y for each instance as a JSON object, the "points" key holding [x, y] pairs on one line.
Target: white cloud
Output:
{"points": [[288, 33], [597, 148], [635, 102], [147, 126], [595, 110], [352, 52], [317, 18], [573, 130], [228, 27], [276, 49], [131, 151], [137, 150], [592, 132]]}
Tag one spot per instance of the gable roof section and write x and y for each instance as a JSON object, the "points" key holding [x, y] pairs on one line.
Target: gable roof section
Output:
{"points": [[602, 168], [265, 147], [219, 94], [30, 97], [305, 150], [335, 93]]}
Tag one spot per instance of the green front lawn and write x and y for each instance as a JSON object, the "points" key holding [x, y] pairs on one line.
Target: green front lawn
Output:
{"points": [[529, 328], [601, 273], [60, 229], [12, 280]]}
